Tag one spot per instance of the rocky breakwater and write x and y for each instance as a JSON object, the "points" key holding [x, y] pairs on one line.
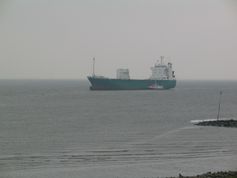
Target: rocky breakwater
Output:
{"points": [[218, 123], [227, 174]]}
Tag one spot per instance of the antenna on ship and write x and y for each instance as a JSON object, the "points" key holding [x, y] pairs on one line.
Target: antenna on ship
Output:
{"points": [[162, 60], [93, 72], [219, 107]]}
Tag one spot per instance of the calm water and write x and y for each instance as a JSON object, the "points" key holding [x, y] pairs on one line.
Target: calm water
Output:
{"points": [[51, 128]]}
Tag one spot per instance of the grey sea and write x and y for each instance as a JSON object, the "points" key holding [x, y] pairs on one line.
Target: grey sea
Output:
{"points": [[60, 129]]}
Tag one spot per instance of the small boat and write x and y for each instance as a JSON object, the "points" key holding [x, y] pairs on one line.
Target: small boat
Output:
{"points": [[156, 87]]}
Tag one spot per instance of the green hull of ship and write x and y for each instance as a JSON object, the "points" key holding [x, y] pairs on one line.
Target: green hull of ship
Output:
{"points": [[131, 84]]}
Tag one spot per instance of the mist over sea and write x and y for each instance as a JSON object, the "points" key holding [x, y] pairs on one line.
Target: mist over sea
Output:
{"points": [[61, 129]]}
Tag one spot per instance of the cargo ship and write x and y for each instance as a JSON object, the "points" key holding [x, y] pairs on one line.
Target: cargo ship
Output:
{"points": [[162, 78]]}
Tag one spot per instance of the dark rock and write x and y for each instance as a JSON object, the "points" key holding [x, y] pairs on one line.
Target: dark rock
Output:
{"points": [[227, 174], [219, 123]]}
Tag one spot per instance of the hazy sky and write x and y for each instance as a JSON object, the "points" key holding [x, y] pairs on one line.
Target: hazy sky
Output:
{"points": [[59, 38]]}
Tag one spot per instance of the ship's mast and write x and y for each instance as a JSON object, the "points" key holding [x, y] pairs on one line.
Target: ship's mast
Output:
{"points": [[93, 72], [219, 107]]}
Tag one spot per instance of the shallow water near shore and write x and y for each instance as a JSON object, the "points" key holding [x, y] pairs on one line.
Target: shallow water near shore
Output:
{"points": [[58, 128]]}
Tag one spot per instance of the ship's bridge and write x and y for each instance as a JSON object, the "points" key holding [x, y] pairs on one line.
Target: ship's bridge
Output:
{"points": [[161, 71]]}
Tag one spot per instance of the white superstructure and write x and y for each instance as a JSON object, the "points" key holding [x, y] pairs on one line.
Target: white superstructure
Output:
{"points": [[123, 74], [161, 71]]}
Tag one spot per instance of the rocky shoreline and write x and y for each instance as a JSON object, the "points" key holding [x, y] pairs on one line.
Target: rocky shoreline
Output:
{"points": [[219, 123], [226, 174]]}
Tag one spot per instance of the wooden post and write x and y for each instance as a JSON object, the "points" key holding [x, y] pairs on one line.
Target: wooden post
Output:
{"points": [[219, 107]]}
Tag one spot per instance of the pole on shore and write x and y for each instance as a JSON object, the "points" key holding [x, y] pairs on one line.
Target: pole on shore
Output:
{"points": [[219, 107]]}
